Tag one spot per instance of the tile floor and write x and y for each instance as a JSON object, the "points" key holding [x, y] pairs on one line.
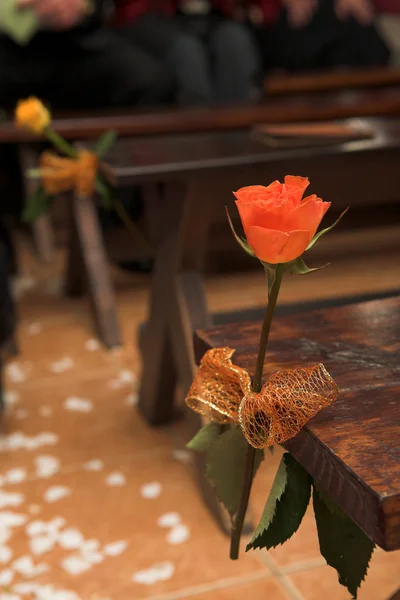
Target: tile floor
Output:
{"points": [[96, 505]]}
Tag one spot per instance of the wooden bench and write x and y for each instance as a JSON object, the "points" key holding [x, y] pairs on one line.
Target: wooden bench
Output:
{"points": [[352, 448]]}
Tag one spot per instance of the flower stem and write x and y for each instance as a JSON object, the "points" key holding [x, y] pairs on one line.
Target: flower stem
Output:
{"points": [[59, 142], [238, 523]]}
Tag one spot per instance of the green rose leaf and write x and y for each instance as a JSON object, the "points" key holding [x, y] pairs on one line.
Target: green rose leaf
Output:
{"points": [[37, 205], [226, 462], [105, 142], [324, 231], [241, 241], [299, 267], [285, 507], [105, 193], [205, 437], [343, 544]]}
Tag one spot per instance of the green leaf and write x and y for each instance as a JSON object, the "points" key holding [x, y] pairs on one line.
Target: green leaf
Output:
{"points": [[105, 193], [299, 267], [205, 437], [343, 544], [37, 204], [105, 142], [270, 272], [241, 241], [285, 507], [226, 462], [324, 231], [19, 23]]}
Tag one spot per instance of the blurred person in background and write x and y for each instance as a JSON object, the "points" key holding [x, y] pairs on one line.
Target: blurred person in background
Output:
{"points": [[309, 34], [213, 57], [75, 62]]}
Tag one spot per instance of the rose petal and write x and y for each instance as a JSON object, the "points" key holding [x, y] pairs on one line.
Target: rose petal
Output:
{"points": [[267, 244], [299, 184], [252, 213], [297, 243], [307, 216]]}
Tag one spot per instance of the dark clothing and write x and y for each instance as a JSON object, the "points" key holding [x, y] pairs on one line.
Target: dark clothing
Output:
{"points": [[85, 67], [324, 42]]}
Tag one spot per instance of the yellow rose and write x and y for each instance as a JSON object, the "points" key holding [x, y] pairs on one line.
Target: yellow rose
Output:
{"points": [[32, 115]]}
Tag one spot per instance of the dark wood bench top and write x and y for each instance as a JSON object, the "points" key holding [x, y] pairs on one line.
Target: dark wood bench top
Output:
{"points": [[295, 83], [353, 447], [304, 107]]}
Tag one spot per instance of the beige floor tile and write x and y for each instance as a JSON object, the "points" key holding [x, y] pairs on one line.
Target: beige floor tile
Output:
{"points": [[255, 590], [382, 580]]}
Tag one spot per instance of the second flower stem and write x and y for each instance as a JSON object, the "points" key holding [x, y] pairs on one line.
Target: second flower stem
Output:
{"points": [[238, 523]]}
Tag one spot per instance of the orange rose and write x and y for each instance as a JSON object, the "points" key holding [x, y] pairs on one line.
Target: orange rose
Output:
{"points": [[278, 224], [32, 115]]}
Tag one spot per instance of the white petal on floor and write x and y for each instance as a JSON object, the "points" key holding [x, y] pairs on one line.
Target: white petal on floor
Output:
{"points": [[151, 490], [178, 534], [11, 519], [60, 366], [92, 345], [18, 372], [171, 519], [26, 567], [183, 456], [75, 564], [34, 328], [115, 548], [43, 592], [17, 475], [116, 479], [22, 284], [56, 493], [42, 544], [11, 499], [6, 577], [9, 596], [19, 441], [45, 411], [74, 403], [94, 465], [132, 399], [158, 572], [124, 377], [5, 554], [70, 539], [11, 397], [46, 466]]}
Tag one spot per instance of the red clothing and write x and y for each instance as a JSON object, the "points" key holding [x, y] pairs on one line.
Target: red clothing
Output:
{"points": [[388, 6], [127, 11]]}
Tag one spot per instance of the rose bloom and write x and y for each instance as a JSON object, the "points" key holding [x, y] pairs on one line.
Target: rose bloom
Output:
{"points": [[278, 224], [32, 115]]}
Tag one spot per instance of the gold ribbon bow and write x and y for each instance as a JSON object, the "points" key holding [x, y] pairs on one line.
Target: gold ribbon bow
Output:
{"points": [[221, 391], [59, 174]]}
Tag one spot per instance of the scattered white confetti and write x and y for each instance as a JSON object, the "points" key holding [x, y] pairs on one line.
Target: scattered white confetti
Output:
{"points": [[42, 544], [92, 345], [158, 572], [116, 479], [36, 528], [43, 592], [75, 564], [151, 490], [18, 372], [45, 411], [5, 554], [182, 456], [89, 546], [11, 519], [25, 567], [46, 466], [115, 548], [94, 465], [20, 441], [132, 399], [56, 493], [6, 577], [34, 328], [21, 413], [125, 377], [9, 596], [171, 519], [62, 365], [77, 404], [22, 284], [11, 499], [16, 475], [178, 534], [11, 397], [70, 539]]}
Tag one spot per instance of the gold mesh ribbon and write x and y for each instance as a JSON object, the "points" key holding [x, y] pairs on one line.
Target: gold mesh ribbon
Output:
{"points": [[221, 391], [59, 174]]}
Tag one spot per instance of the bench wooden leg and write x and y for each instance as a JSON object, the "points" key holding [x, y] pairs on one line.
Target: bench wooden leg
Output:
{"points": [[396, 595], [74, 285], [89, 251], [42, 231]]}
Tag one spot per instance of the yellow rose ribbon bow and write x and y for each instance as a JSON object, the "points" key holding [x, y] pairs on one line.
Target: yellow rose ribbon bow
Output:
{"points": [[59, 174], [221, 391]]}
